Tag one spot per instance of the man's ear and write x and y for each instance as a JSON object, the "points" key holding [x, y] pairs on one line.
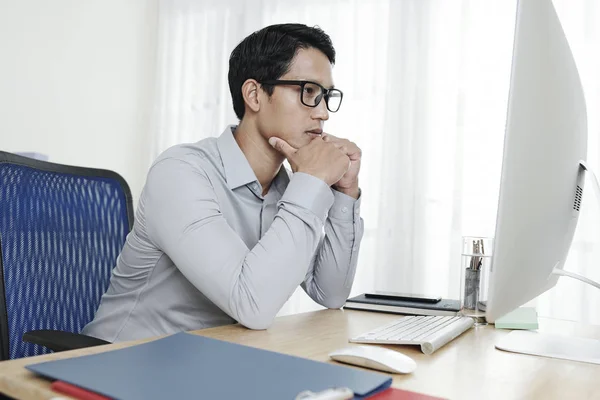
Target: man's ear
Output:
{"points": [[250, 90]]}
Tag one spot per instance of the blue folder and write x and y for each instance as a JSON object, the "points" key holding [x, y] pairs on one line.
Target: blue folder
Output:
{"points": [[186, 366]]}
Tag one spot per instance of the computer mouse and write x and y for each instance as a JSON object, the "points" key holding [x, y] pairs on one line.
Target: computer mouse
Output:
{"points": [[375, 357]]}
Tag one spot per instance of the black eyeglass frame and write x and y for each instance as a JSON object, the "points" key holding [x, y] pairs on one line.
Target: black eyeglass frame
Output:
{"points": [[325, 93]]}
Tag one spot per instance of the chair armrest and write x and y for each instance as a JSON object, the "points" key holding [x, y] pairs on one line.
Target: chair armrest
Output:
{"points": [[60, 340]]}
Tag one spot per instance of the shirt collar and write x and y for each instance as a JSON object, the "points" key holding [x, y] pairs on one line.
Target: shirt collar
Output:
{"points": [[237, 169]]}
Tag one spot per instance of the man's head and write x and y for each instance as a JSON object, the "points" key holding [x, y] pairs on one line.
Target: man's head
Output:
{"points": [[291, 52]]}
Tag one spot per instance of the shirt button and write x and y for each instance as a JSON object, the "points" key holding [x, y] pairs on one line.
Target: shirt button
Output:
{"points": [[344, 209], [354, 248], [357, 211]]}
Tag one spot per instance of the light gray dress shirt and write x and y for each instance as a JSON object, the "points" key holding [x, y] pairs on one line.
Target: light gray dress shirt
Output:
{"points": [[208, 249]]}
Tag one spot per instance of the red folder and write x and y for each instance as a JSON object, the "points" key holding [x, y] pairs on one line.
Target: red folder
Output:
{"points": [[75, 391], [399, 394]]}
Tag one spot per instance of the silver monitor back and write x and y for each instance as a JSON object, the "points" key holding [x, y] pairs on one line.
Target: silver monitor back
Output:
{"points": [[542, 182]]}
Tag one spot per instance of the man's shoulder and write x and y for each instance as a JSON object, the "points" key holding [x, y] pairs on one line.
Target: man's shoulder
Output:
{"points": [[201, 154]]}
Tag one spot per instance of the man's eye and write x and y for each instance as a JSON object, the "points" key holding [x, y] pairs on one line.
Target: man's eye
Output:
{"points": [[309, 90]]}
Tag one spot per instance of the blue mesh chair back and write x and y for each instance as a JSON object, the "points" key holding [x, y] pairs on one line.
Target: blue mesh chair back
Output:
{"points": [[61, 231]]}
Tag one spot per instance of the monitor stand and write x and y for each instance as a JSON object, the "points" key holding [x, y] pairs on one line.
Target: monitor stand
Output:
{"points": [[556, 346], [553, 346]]}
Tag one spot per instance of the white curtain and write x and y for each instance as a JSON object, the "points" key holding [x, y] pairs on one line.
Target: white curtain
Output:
{"points": [[425, 96]]}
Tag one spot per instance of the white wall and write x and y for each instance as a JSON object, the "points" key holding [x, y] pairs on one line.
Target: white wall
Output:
{"points": [[76, 81]]}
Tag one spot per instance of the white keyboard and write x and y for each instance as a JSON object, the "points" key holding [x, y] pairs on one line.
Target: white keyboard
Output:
{"points": [[430, 332]]}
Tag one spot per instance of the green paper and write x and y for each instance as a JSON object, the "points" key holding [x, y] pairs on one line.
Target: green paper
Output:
{"points": [[521, 318]]}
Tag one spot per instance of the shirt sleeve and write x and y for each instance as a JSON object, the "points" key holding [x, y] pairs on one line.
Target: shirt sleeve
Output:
{"points": [[184, 220], [330, 277]]}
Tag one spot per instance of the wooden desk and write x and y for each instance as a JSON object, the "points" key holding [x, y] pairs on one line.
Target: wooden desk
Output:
{"points": [[467, 368]]}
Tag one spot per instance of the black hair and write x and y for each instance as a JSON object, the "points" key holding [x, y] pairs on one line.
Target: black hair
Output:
{"points": [[268, 53]]}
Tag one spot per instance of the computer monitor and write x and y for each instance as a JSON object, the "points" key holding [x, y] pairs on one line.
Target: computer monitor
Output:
{"points": [[542, 179]]}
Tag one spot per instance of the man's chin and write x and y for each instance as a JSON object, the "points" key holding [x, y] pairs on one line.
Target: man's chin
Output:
{"points": [[298, 142]]}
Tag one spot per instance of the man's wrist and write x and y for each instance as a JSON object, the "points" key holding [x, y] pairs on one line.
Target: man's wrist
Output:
{"points": [[353, 191]]}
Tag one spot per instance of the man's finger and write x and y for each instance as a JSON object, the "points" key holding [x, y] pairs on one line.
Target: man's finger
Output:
{"points": [[350, 149], [354, 152], [337, 143], [282, 146], [335, 140], [328, 137]]}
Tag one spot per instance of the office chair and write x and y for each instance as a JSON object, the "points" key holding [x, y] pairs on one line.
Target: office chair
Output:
{"points": [[61, 231]]}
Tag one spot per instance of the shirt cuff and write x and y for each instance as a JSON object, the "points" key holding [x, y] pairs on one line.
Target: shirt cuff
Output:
{"points": [[345, 207], [309, 192]]}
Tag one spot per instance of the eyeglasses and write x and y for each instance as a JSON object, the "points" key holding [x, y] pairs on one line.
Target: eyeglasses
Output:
{"points": [[312, 93]]}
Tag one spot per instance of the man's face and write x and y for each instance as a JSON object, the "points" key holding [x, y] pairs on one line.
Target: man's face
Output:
{"points": [[283, 114]]}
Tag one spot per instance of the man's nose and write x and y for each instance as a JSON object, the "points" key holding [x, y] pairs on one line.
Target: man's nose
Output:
{"points": [[320, 111]]}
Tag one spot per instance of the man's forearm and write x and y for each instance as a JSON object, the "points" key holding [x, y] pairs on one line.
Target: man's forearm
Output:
{"points": [[330, 278], [249, 284]]}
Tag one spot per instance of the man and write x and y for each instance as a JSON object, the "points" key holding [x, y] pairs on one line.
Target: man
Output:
{"points": [[222, 233]]}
